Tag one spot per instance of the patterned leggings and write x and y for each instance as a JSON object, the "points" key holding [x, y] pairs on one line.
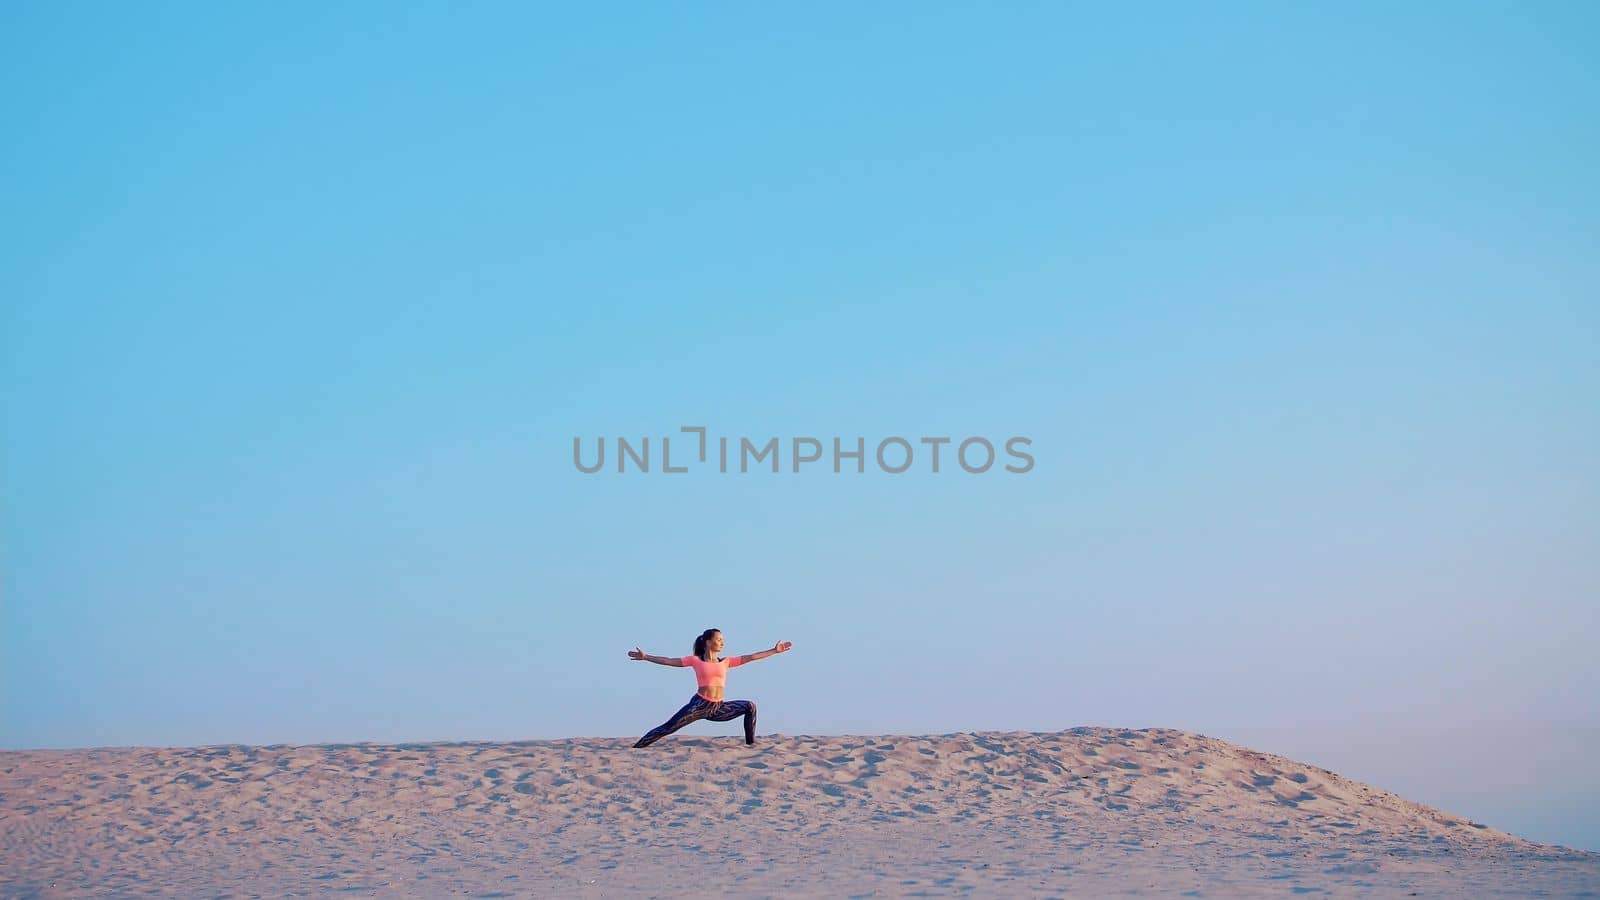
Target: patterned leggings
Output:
{"points": [[699, 708]]}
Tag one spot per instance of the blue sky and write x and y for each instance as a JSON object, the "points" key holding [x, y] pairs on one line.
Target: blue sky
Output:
{"points": [[301, 308]]}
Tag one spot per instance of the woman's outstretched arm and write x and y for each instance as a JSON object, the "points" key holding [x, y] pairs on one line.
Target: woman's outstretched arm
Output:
{"points": [[637, 654], [779, 647]]}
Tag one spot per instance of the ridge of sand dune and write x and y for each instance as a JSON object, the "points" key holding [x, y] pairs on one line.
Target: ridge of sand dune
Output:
{"points": [[1087, 810]]}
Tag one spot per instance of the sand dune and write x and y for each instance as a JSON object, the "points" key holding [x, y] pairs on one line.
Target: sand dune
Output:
{"points": [[1091, 811]]}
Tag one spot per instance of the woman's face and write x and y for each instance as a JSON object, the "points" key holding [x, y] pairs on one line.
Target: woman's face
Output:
{"points": [[714, 643]]}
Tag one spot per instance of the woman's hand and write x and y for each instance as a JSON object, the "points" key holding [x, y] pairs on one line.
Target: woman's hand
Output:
{"points": [[636, 654], [781, 646]]}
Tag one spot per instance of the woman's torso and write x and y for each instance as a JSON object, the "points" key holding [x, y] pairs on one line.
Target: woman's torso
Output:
{"points": [[710, 677]]}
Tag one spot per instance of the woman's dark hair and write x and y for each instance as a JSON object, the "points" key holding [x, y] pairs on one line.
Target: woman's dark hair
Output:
{"points": [[701, 641]]}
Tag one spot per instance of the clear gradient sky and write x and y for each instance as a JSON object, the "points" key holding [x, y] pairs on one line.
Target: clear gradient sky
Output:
{"points": [[302, 305]]}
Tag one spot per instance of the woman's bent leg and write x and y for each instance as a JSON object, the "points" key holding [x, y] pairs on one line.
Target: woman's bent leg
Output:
{"points": [[728, 710], [692, 711]]}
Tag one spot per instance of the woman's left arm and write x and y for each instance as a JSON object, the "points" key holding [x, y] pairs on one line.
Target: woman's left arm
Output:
{"points": [[779, 647]]}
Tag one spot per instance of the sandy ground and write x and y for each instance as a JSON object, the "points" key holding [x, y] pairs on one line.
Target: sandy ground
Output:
{"points": [[1087, 812]]}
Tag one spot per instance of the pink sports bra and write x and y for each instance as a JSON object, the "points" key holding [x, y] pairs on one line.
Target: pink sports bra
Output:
{"points": [[711, 674]]}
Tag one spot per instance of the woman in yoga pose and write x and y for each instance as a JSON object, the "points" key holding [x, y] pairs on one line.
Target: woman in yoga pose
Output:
{"points": [[711, 674]]}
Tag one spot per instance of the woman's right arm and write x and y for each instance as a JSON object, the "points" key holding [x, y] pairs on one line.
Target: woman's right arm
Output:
{"points": [[640, 655]]}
